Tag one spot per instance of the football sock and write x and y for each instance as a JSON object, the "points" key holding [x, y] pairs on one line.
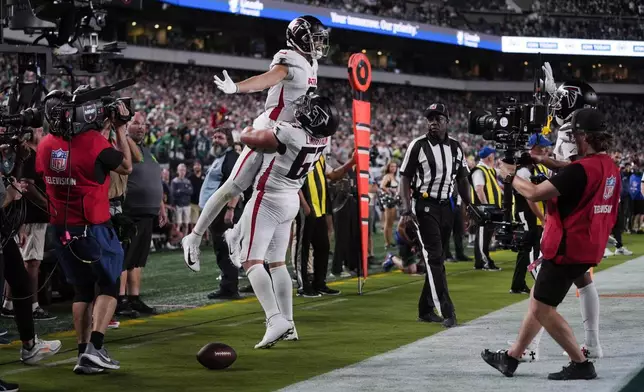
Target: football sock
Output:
{"points": [[81, 348], [537, 339], [97, 339], [214, 205], [589, 303], [263, 288], [283, 288]]}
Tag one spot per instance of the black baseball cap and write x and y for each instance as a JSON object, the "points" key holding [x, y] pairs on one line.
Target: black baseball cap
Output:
{"points": [[588, 120], [436, 108]]}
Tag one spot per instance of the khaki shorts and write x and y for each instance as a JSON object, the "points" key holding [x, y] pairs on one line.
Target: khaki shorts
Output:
{"points": [[34, 247], [182, 215], [194, 213]]}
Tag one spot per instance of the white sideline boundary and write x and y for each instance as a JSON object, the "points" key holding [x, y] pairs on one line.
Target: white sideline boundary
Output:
{"points": [[450, 360]]}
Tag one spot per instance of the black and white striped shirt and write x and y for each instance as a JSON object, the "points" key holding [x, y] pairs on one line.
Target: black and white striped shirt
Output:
{"points": [[433, 166]]}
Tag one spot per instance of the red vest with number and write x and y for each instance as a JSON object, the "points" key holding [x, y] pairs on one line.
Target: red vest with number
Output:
{"points": [[69, 167], [582, 236]]}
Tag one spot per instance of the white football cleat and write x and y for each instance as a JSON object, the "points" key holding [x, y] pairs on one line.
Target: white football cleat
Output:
{"points": [[607, 252], [623, 251], [292, 336], [234, 247], [277, 328], [530, 354], [191, 252], [590, 352], [612, 240]]}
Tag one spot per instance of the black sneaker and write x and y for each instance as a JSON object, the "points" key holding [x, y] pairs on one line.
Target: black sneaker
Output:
{"points": [[450, 322], [430, 317], [8, 313], [308, 293], [41, 314], [501, 361], [8, 387], [575, 371], [218, 294], [139, 306], [326, 290], [491, 267], [3, 331], [124, 308]]}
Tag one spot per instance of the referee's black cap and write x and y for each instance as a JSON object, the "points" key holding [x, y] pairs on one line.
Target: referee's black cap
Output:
{"points": [[436, 108], [588, 120]]}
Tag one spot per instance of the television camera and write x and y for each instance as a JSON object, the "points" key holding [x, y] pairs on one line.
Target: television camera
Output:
{"points": [[509, 127]]}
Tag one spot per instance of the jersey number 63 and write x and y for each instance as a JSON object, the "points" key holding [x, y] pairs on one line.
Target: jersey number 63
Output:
{"points": [[302, 163]]}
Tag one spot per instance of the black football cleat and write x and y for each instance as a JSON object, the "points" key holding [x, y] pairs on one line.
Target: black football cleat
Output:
{"points": [[575, 371], [501, 361], [430, 317]]}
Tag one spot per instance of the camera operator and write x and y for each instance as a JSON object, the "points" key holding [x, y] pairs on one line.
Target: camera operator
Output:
{"points": [[432, 165], [76, 162], [583, 194], [530, 214], [33, 349], [486, 191], [31, 237]]}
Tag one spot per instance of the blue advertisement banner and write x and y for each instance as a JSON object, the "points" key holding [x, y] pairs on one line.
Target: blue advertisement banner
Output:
{"points": [[344, 20]]}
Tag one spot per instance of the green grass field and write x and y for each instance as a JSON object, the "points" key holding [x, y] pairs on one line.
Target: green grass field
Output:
{"points": [[158, 353]]}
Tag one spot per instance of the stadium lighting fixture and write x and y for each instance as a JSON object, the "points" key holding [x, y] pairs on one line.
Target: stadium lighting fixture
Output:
{"points": [[133, 24], [364, 51], [569, 64], [156, 26], [525, 63], [594, 66], [457, 61], [620, 66], [379, 53], [599, 65], [169, 28]]}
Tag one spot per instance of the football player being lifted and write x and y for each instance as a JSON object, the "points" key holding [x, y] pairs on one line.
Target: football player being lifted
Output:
{"points": [[291, 149], [292, 73]]}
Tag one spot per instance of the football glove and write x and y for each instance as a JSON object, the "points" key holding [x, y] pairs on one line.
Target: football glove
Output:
{"points": [[227, 85]]}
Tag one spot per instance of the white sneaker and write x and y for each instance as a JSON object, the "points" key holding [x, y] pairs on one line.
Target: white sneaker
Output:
{"points": [[292, 336], [530, 354], [65, 50], [42, 349], [607, 253], [590, 352], [191, 252], [234, 247], [277, 328], [623, 251]]}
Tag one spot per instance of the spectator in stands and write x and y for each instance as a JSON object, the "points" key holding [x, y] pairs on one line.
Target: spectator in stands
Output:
{"points": [[144, 205], [181, 194]]}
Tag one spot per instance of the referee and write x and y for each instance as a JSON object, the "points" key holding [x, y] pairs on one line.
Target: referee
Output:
{"points": [[431, 165]]}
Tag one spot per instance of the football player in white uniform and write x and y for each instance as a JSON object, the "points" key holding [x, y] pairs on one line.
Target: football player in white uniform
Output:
{"points": [[290, 152], [292, 73]]}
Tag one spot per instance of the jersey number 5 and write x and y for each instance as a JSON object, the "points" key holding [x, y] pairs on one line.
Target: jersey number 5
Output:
{"points": [[307, 157]]}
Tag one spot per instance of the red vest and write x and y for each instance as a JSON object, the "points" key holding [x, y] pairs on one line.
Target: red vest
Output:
{"points": [[73, 171], [585, 231]]}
